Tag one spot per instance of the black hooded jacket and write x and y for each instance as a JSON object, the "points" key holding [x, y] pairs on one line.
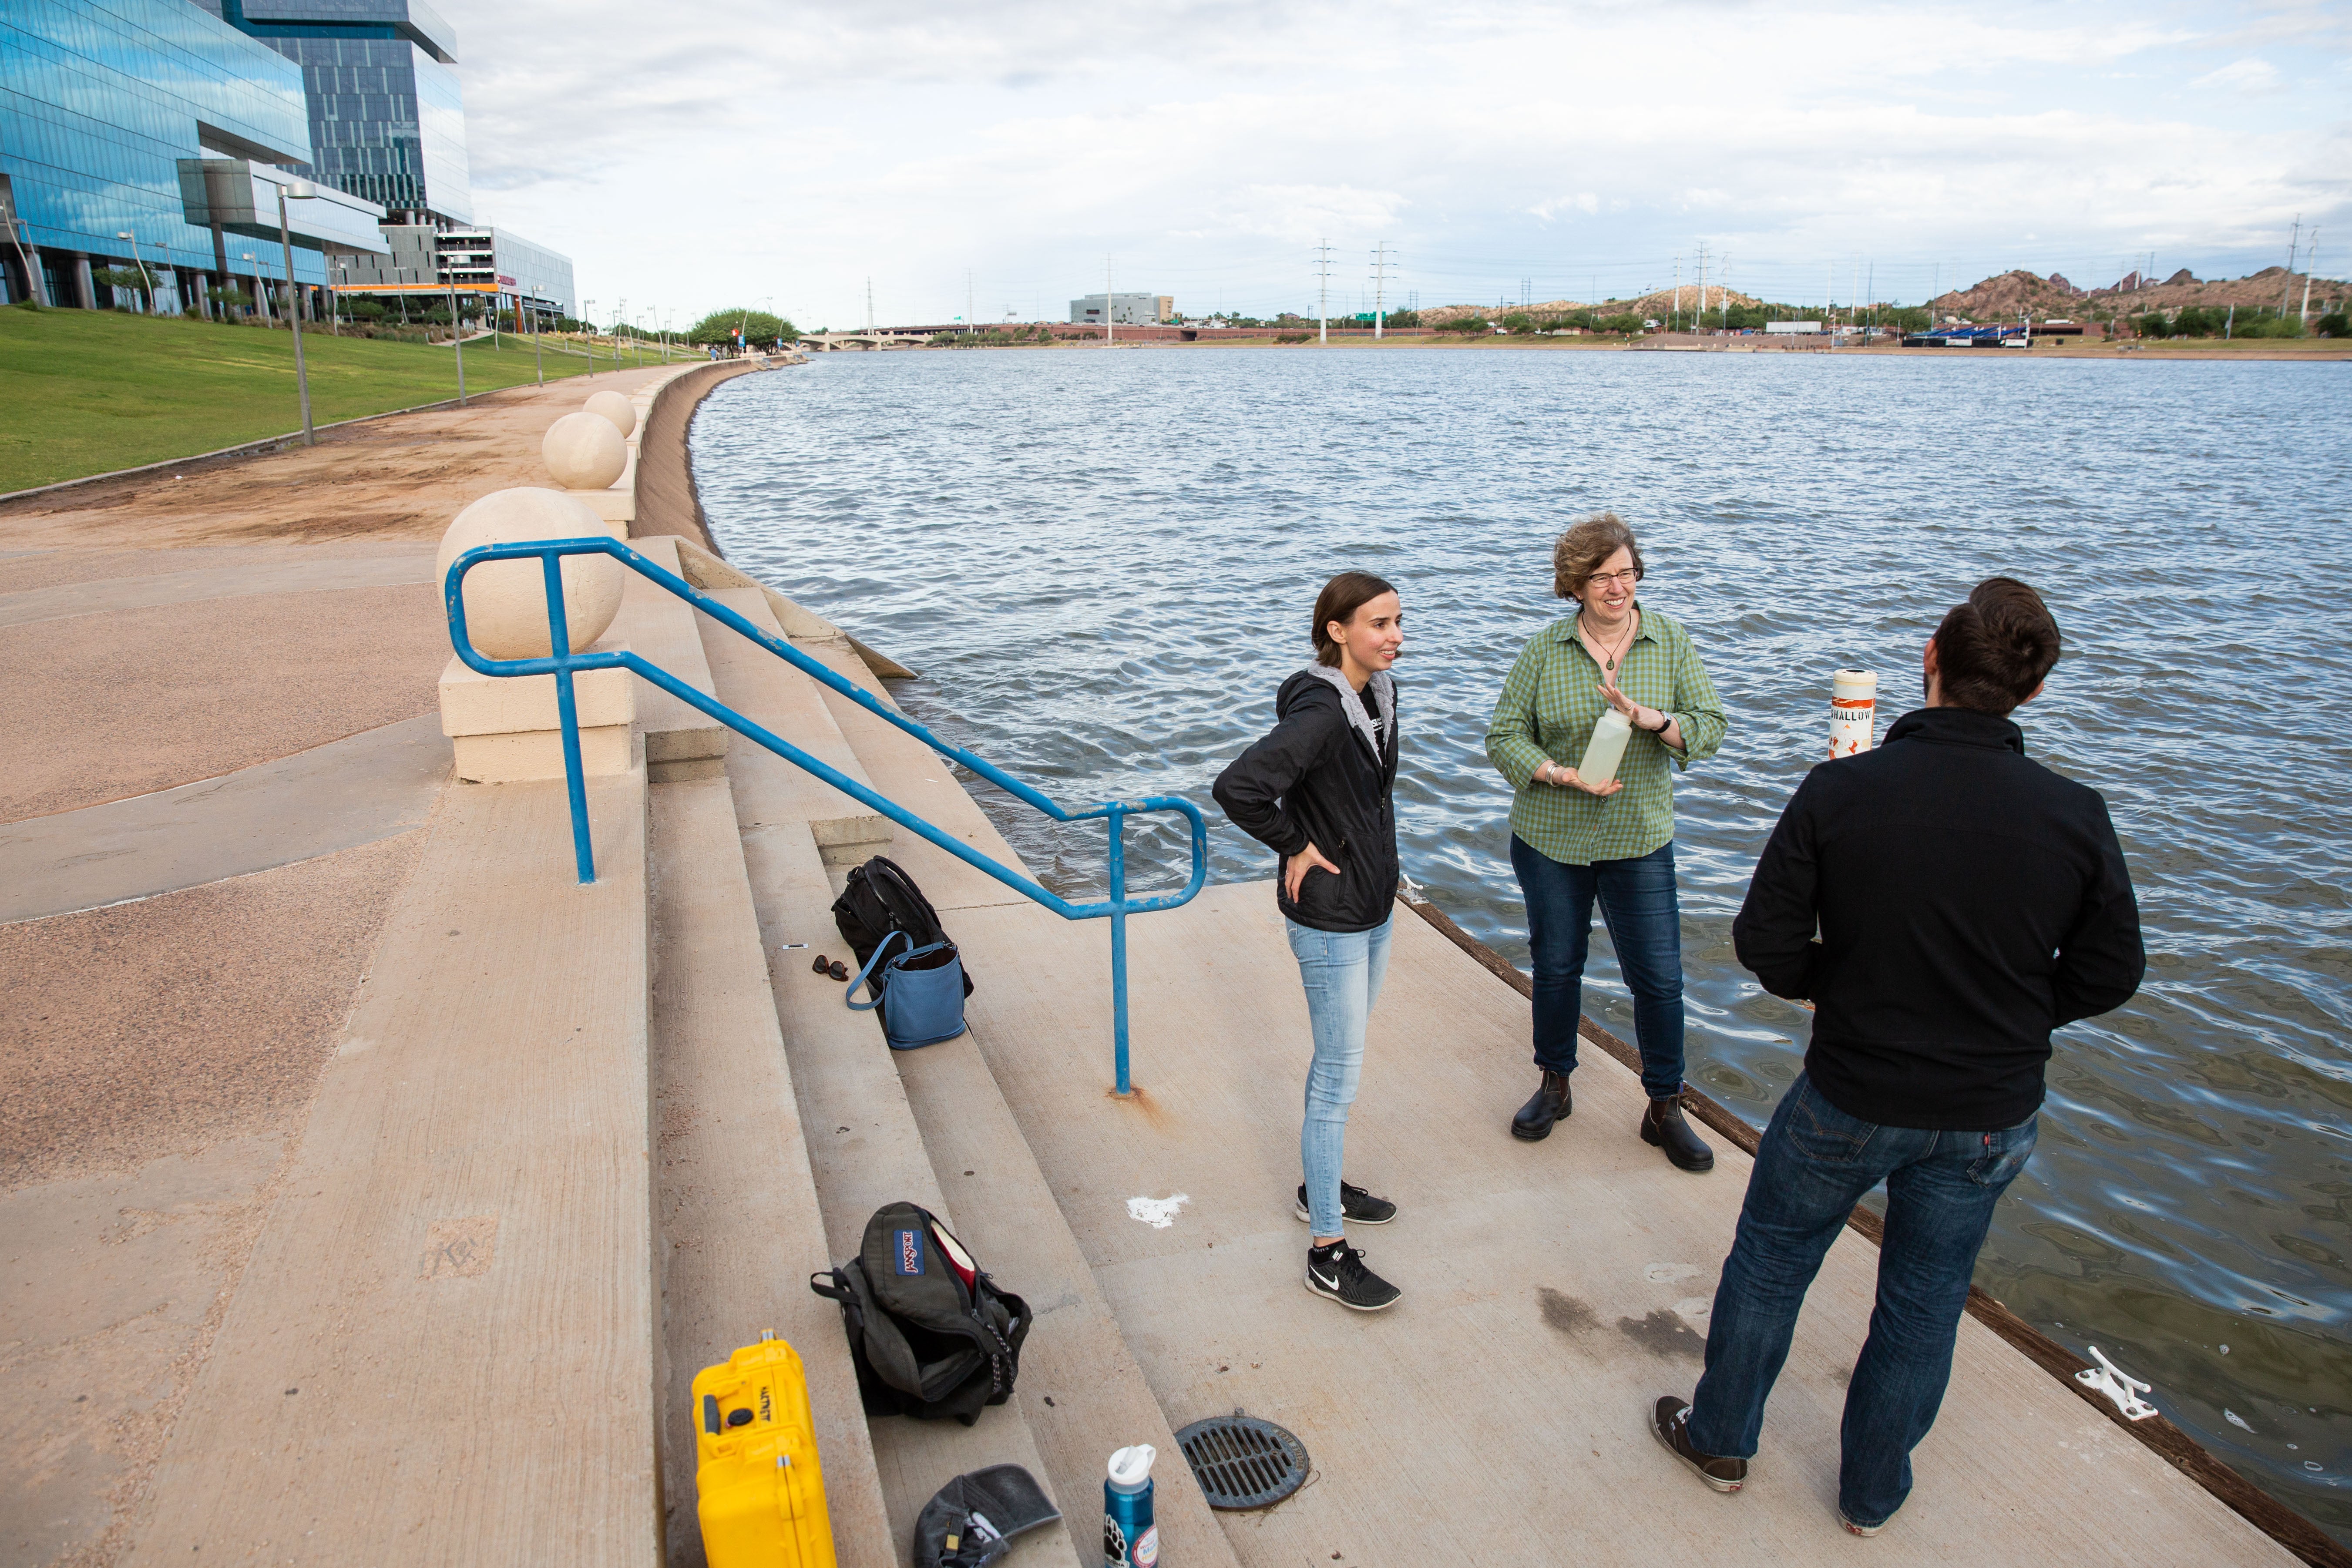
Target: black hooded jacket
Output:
{"points": [[1315, 779], [1968, 901]]}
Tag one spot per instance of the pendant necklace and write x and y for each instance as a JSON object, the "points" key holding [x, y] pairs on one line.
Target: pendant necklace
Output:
{"points": [[1610, 663]]}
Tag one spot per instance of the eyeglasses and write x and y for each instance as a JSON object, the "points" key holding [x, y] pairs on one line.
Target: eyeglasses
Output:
{"points": [[1630, 575]]}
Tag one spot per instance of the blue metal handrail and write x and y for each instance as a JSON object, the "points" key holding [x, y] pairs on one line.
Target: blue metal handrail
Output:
{"points": [[561, 664]]}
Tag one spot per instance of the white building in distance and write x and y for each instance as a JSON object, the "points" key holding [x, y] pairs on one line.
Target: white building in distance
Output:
{"points": [[1126, 309]]}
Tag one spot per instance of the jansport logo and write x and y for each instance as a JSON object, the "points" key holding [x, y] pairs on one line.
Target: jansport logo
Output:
{"points": [[911, 1251]]}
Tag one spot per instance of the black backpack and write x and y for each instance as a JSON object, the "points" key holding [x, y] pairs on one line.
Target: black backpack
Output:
{"points": [[880, 897], [931, 1334]]}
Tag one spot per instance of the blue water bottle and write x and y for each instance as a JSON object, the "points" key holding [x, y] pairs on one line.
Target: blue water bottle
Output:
{"points": [[1130, 1538]]}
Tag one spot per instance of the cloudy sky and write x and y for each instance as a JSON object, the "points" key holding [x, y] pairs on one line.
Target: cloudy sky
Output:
{"points": [[703, 152]]}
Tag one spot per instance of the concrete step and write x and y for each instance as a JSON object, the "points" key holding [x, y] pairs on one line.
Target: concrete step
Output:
{"points": [[863, 1146], [736, 1205], [681, 741], [442, 1348], [766, 689], [926, 784], [1083, 1388]]}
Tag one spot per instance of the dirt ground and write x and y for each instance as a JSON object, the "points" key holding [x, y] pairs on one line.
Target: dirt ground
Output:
{"points": [[158, 1059]]}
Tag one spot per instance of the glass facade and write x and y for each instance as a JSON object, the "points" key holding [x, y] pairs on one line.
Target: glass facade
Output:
{"points": [[540, 274], [99, 101], [174, 122], [387, 118]]}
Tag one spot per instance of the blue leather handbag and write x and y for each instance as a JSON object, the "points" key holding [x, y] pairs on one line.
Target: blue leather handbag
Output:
{"points": [[919, 1006]]}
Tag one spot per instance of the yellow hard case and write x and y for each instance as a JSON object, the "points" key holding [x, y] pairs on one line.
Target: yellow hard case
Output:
{"points": [[756, 1473]]}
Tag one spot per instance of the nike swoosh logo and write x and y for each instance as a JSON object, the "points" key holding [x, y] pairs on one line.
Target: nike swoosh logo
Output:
{"points": [[1330, 1284]]}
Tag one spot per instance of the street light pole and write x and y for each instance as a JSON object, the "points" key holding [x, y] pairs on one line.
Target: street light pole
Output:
{"points": [[146, 283], [457, 333], [299, 190]]}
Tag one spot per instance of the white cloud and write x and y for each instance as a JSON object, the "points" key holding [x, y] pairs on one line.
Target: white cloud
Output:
{"points": [[1552, 207], [731, 148], [2243, 76]]}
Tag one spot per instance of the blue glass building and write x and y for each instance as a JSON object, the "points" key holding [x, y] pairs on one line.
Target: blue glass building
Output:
{"points": [[155, 136], [387, 119], [100, 101]]}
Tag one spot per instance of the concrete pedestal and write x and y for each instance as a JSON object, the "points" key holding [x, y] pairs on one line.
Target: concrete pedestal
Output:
{"points": [[505, 728]]}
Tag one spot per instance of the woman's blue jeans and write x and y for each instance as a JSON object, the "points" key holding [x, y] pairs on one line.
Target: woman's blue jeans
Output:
{"points": [[1814, 1165], [1341, 972], [1645, 925]]}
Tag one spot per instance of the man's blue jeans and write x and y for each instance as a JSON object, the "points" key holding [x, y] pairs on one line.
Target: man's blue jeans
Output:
{"points": [[1813, 1166], [1342, 972], [1645, 925]]}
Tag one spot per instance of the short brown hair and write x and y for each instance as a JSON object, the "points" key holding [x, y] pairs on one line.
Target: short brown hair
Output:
{"points": [[1341, 597], [1992, 652], [1589, 541]]}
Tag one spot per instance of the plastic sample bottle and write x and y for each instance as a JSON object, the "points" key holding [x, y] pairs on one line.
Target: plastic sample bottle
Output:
{"points": [[1130, 1538], [1606, 749]]}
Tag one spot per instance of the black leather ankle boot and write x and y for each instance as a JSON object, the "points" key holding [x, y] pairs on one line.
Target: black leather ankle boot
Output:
{"points": [[1664, 1126], [1549, 1104]]}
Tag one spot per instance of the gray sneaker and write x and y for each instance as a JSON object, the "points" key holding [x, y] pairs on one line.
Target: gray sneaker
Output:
{"points": [[1671, 1423]]}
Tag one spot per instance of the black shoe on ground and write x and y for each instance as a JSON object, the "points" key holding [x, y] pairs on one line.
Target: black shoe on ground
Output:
{"points": [[1550, 1103], [1357, 1207], [1338, 1272], [1670, 1423], [1664, 1126]]}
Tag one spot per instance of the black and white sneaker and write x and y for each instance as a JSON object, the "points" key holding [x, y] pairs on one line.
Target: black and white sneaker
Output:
{"points": [[1357, 1207], [1338, 1272]]}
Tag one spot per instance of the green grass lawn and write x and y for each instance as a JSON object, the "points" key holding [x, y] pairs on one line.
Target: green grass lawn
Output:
{"points": [[87, 391]]}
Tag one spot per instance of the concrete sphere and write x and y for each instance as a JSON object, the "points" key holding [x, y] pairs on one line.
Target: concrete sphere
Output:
{"points": [[615, 408], [506, 601], [583, 452]]}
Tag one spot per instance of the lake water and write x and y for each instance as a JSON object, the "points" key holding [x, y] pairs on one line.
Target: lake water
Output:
{"points": [[1103, 563]]}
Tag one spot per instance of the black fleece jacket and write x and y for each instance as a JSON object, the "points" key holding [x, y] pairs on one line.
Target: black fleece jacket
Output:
{"points": [[1968, 901], [1314, 779]]}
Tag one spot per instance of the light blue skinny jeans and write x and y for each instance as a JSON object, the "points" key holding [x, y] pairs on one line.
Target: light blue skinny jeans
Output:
{"points": [[1342, 972]]}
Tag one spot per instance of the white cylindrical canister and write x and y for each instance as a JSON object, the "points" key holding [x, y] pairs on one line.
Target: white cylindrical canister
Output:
{"points": [[1853, 711]]}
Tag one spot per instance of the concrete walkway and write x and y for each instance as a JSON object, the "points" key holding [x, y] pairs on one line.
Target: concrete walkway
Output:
{"points": [[366, 787]]}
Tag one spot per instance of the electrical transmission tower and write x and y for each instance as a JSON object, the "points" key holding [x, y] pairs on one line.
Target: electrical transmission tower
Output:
{"points": [[1323, 292], [1383, 259]]}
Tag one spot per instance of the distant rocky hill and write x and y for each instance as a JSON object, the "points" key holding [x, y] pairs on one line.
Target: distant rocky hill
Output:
{"points": [[1997, 299], [2002, 297]]}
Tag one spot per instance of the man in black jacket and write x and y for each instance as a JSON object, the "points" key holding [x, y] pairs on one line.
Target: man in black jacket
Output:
{"points": [[1967, 903]]}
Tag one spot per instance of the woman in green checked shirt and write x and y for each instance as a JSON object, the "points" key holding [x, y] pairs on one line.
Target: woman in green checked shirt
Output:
{"points": [[1572, 844]]}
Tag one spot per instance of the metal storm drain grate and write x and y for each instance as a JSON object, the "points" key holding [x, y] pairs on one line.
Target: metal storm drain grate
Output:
{"points": [[1242, 1461]]}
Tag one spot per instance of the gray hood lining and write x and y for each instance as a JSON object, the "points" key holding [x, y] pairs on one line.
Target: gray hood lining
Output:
{"points": [[1384, 691]]}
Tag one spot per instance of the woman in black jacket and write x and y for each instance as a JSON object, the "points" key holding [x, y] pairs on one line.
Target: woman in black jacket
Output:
{"points": [[1317, 791]]}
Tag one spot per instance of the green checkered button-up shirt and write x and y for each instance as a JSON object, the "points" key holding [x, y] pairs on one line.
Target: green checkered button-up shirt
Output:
{"points": [[1551, 703]]}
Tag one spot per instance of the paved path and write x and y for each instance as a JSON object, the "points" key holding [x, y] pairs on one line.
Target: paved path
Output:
{"points": [[311, 572], [358, 790]]}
